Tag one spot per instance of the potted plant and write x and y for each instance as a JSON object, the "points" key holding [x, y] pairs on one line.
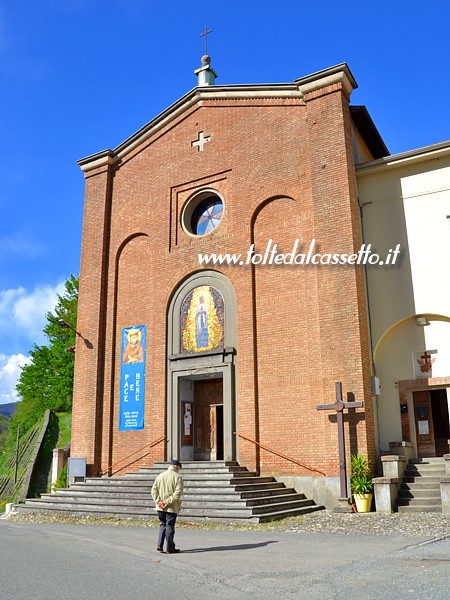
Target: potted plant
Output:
{"points": [[361, 482]]}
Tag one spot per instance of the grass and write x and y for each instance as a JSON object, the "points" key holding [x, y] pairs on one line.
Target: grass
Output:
{"points": [[57, 436], [65, 429]]}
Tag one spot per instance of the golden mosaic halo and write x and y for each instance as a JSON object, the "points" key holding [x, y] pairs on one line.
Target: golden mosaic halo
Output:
{"points": [[137, 332]]}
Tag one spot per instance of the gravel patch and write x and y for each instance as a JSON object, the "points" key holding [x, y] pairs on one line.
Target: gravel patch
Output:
{"points": [[411, 524], [433, 525]]}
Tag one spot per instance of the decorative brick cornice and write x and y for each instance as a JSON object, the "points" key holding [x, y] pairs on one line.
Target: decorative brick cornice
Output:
{"points": [[420, 384], [338, 78], [96, 161]]}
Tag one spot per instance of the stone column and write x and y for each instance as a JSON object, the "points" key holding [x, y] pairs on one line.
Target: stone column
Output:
{"points": [[394, 465], [386, 488], [402, 449], [447, 464], [445, 487], [57, 463]]}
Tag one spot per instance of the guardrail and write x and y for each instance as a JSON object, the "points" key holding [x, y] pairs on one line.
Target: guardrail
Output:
{"points": [[19, 468], [267, 449], [150, 445]]}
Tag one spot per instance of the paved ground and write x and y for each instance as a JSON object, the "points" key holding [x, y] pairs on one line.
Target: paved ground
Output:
{"points": [[73, 561], [411, 524]]}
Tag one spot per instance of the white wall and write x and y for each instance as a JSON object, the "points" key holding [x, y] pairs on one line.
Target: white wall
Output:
{"points": [[406, 200], [426, 201]]}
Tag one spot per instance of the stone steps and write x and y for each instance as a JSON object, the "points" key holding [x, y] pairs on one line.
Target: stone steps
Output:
{"points": [[407, 492], [77, 488], [212, 490], [430, 480], [210, 467], [415, 508], [420, 488]]}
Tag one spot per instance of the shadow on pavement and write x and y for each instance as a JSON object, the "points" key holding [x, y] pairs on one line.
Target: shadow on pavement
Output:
{"points": [[235, 547]]}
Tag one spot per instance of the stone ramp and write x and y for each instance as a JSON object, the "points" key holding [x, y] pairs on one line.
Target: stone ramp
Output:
{"points": [[215, 490]]}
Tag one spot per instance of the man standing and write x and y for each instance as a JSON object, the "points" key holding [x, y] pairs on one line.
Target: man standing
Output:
{"points": [[166, 492]]}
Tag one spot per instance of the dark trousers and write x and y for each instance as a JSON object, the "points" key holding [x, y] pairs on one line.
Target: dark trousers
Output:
{"points": [[167, 522]]}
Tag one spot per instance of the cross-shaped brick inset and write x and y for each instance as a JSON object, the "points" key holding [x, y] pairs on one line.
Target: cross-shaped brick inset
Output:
{"points": [[201, 141]]}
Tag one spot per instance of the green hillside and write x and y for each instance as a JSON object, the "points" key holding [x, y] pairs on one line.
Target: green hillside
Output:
{"points": [[4, 429], [8, 409]]}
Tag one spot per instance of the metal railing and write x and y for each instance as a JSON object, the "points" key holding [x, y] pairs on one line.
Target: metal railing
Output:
{"points": [[18, 468], [267, 449], [150, 445]]}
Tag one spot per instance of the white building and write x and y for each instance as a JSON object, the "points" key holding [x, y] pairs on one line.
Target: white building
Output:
{"points": [[405, 199]]}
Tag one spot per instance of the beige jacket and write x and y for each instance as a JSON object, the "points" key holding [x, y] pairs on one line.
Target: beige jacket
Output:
{"points": [[168, 488]]}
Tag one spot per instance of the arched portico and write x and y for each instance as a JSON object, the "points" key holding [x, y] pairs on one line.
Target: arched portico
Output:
{"points": [[201, 366], [411, 360]]}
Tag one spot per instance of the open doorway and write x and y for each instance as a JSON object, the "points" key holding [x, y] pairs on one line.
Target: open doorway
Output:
{"points": [[431, 414], [208, 419]]}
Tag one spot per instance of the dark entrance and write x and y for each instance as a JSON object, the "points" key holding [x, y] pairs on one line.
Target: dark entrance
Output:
{"points": [[208, 419], [439, 407], [432, 422]]}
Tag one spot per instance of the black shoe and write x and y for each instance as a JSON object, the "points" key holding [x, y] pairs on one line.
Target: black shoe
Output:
{"points": [[174, 551], [159, 548]]}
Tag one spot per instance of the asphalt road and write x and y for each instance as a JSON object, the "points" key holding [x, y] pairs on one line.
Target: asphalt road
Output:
{"points": [[73, 562]]}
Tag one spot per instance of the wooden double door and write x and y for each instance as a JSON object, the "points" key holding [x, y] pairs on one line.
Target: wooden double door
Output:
{"points": [[431, 415], [208, 419]]}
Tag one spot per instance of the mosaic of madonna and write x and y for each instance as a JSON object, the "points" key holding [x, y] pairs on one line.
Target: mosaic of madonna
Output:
{"points": [[202, 320]]}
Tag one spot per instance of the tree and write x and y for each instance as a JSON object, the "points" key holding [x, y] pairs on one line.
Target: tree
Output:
{"points": [[47, 382]]}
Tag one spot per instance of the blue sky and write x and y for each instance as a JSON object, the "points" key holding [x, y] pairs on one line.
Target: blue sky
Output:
{"points": [[79, 76]]}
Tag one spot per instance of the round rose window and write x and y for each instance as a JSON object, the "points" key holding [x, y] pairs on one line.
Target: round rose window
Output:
{"points": [[202, 213]]}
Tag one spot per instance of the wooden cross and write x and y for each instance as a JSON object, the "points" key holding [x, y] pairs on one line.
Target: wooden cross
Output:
{"points": [[205, 35], [339, 406]]}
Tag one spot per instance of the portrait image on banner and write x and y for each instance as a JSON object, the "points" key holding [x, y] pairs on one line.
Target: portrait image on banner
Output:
{"points": [[132, 378]]}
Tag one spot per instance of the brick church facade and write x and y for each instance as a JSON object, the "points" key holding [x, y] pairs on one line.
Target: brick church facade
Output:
{"points": [[236, 354]]}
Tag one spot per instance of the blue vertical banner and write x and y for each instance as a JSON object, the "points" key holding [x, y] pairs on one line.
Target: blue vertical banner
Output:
{"points": [[132, 378]]}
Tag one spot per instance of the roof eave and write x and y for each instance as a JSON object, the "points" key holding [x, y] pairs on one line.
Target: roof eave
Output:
{"points": [[192, 97], [432, 152]]}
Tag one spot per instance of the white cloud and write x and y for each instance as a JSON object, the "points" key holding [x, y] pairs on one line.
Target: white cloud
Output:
{"points": [[21, 244], [30, 309], [9, 372], [22, 313], [22, 320]]}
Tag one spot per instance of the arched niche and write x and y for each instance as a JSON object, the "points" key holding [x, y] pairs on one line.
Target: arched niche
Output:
{"points": [[195, 363]]}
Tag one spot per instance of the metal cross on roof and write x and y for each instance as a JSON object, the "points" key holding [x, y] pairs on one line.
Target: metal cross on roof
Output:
{"points": [[205, 35]]}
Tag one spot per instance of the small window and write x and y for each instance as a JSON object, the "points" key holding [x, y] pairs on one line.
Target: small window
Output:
{"points": [[202, 213]]}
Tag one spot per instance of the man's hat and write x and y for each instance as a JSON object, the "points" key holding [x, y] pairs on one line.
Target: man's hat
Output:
{"points": [[176, 463]]}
